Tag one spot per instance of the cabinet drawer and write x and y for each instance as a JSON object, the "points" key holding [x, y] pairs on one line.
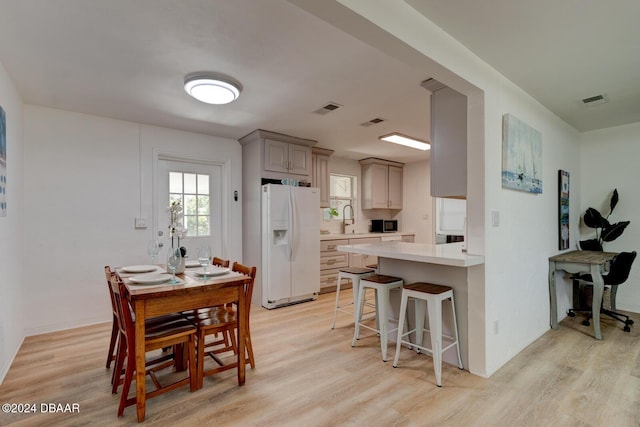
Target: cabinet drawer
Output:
{"points": [[408, 238], [361, 240], [338, 260], [329, 277], [332, 245]]}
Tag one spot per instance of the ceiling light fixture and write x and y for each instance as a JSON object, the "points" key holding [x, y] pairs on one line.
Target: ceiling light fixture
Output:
{"points": [[398, 138], [212, 88]]}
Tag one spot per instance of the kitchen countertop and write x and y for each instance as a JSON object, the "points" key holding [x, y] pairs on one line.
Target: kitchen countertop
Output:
{"points": [[362, 235], [445, 254]]}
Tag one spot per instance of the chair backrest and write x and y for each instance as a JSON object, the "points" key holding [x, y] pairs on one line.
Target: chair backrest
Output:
{"points": [[220, 262], [125, 317], [620, 268], [248, 289], [108, 273]]}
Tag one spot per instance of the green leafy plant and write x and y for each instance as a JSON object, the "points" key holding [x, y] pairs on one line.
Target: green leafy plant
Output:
{"points": [[333, 212], [605, 231]]}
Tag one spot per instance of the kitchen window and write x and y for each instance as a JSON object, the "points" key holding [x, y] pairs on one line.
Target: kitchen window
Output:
{"points": [[342, 192], [192, 191]]}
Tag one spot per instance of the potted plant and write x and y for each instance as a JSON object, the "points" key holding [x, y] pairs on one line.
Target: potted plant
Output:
{"points": [[605, 231]]}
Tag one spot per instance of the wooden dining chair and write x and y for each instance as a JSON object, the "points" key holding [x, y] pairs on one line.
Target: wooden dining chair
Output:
{"points": [[223, 319], [111, 355], [120, 353], [220, 262], [178, 334]]}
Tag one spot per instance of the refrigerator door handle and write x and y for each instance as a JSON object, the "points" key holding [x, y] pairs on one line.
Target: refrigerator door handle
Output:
{"points": [[290, 239]]}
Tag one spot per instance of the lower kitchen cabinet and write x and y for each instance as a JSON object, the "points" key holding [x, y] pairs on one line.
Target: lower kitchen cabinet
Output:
{"points": [[331, 260]]}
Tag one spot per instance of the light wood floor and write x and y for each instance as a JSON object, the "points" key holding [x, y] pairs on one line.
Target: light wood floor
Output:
{"points": [[309, 375]]}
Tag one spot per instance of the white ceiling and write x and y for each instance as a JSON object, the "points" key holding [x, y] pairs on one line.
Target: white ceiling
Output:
{"points": [[127, 60], [558, 51]]}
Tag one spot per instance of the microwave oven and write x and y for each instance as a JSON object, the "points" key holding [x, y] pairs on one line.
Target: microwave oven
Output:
{"points": [[384, 225]]}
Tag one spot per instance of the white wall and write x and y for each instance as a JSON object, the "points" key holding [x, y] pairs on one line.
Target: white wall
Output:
{"points": [[510, 292], [86, 179], [609, 159], [12, 292]]}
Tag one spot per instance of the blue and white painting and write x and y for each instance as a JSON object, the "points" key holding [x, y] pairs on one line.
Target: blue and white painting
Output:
{"points": [[3, 163], [521, 156]]}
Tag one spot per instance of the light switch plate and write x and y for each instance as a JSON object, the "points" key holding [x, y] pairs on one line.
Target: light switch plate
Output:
{"points": [[495, 218], [141, 223]]}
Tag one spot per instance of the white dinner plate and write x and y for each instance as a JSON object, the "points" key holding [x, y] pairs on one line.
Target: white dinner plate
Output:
{"points": [[191, 264], [212, 271], [150, 278], [139, 268]]}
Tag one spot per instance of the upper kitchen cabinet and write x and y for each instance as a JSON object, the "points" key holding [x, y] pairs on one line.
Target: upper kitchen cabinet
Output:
{"points": [[448, 143], [280, 156], [381, 184], [320, 173]]}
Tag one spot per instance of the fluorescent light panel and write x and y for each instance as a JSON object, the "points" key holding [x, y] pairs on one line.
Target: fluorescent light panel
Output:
{"points": [[398, 138]]}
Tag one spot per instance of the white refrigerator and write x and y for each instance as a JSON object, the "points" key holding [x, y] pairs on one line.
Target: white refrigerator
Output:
{"points": [[290, 244]]}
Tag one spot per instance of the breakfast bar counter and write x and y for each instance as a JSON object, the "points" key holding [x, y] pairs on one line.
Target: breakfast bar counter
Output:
{"points": [[445, 264], [446, 254]]}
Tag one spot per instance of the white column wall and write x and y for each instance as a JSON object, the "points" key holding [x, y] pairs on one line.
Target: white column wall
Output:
{"points": [[609, 159], [12, 292], [86, 179], [511, 300]]}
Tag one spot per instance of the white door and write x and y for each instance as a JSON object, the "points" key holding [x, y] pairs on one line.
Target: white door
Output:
{"points": [[198, 188]]}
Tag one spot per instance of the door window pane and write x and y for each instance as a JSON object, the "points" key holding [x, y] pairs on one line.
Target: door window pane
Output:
{"points": [[192, 191]]}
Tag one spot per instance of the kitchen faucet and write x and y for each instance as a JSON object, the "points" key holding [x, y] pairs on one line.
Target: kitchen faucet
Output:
{"points": [[344, 218]]}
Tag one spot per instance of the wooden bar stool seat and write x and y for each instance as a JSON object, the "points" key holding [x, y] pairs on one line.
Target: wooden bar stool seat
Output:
{"points": [[430, 297], [354, 274], [382, 285]]}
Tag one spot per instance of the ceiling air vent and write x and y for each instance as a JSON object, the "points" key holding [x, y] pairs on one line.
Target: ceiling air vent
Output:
{"points": [[372, 122], [432, 85], [595, 100], [325, 109]]}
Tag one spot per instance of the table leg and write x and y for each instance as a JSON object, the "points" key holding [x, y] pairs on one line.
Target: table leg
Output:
{"points": [[141, 391], [598, 290], [553, 304]]}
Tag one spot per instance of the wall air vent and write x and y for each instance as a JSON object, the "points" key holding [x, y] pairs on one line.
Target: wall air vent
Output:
{"points": [[372, 122], [329, 107], [595, 100]]}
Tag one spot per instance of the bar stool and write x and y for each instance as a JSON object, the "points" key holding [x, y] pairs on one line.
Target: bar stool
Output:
{"points": [[354, 274], [429, 296], [382, 285], [373, 266]]}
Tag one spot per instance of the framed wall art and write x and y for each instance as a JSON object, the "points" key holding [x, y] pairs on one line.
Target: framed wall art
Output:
{"points": [[521, 156], [563, 209]]}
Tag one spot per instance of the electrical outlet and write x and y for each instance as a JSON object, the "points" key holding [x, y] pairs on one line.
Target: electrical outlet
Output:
{"points": [[141, 223]]}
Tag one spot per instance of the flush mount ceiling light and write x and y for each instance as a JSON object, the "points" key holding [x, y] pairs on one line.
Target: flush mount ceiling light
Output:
{"points": [[212, 88], [398, 138]]}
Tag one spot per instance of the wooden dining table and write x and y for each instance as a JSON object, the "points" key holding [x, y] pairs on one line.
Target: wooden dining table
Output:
{"points": [[191, 293]]}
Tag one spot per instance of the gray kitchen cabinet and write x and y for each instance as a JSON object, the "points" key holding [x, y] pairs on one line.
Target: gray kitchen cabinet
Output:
{"points": [[381, 184], [273, 155], [448, 157], [320, 174], [287, 158]]}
